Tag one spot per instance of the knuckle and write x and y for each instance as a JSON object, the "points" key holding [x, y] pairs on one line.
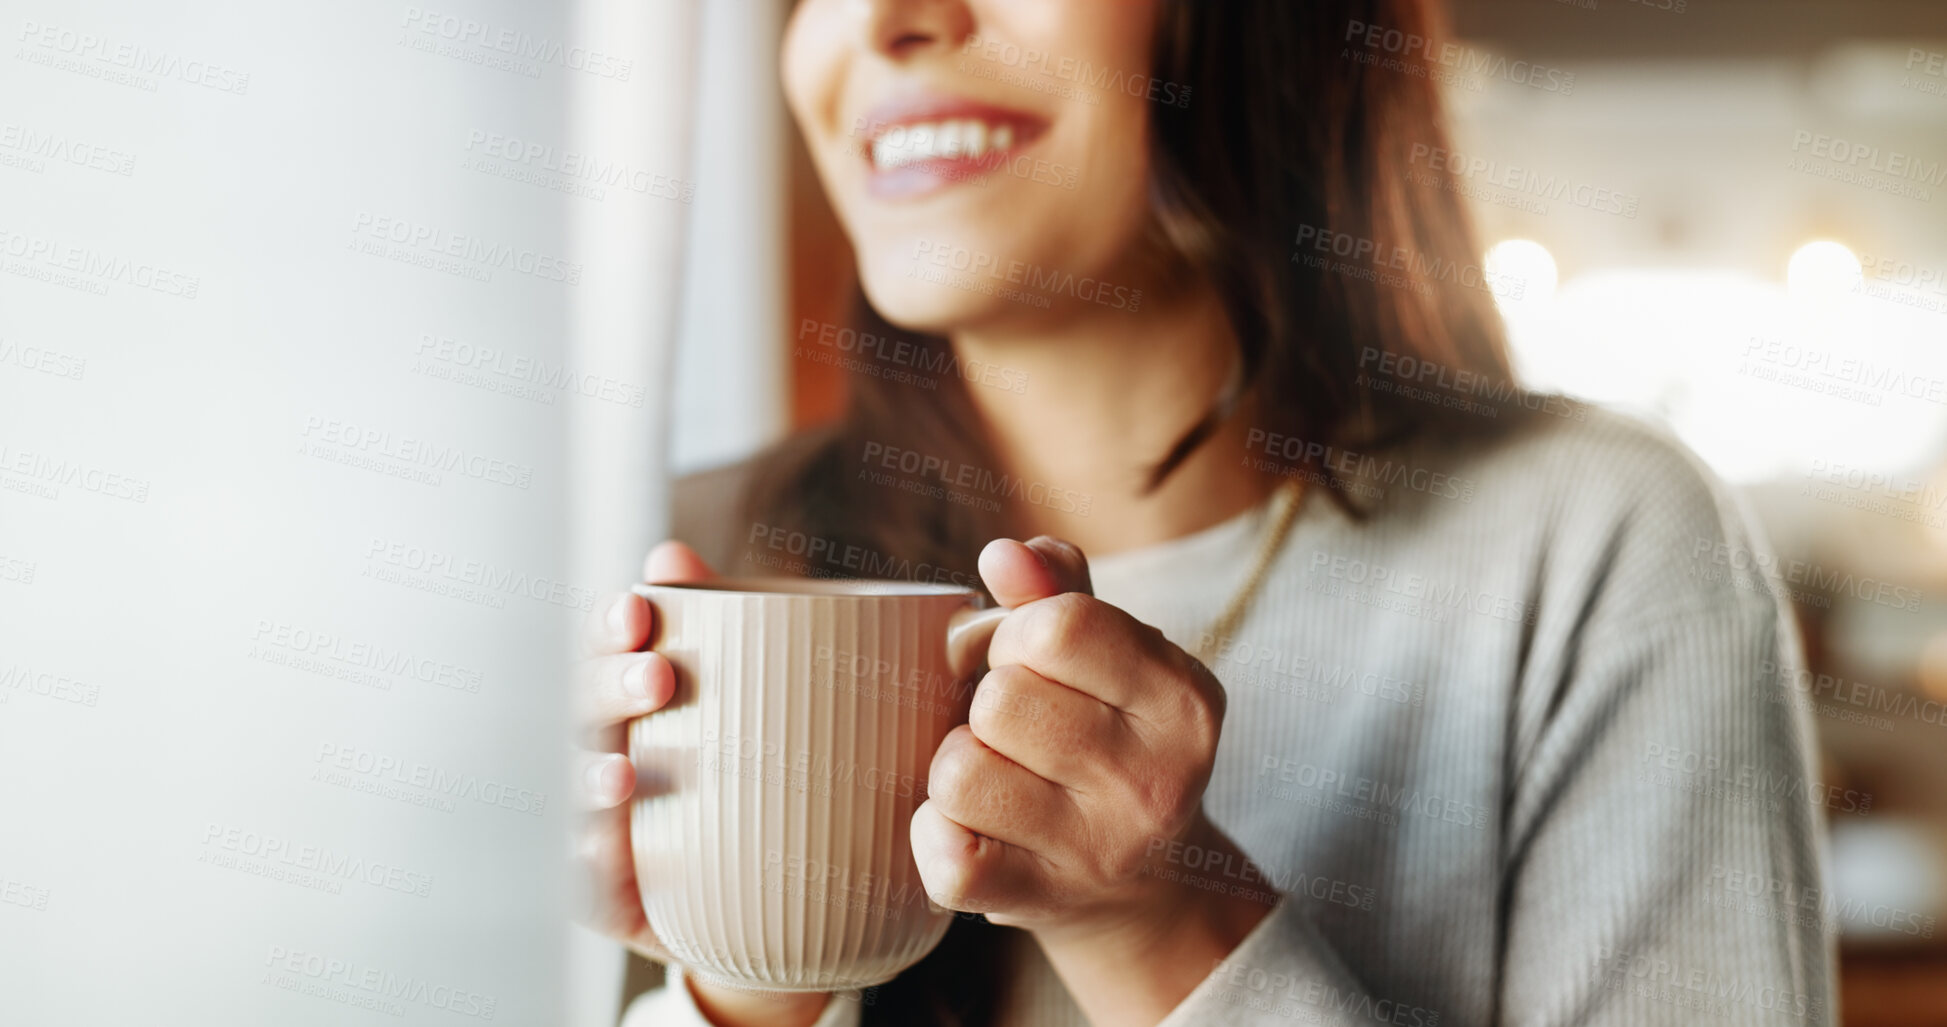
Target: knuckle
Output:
{"points": [[975, 885], [951, 878], [953, 768], [1217, 702], [1160, 801], [998, 700], [1123, 862], [1202, 714], [1200, 706], [1210, 728], [1207, 714], [1057, 622]]}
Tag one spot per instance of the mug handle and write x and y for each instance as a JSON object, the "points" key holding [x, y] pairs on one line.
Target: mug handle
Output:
{"points": [[968, 635]]}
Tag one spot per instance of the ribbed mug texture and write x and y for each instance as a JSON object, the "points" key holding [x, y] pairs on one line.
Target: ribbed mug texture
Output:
{"points": [[779, 784]]}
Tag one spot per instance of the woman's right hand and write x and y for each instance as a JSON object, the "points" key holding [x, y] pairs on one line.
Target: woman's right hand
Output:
{"points": [[616, 684]]}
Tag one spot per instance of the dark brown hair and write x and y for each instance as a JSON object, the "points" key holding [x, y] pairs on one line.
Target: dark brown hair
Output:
{"points": [[1295, 127]]}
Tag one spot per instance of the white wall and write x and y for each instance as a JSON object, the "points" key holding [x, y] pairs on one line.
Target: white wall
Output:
{"points": [[217, 515]]}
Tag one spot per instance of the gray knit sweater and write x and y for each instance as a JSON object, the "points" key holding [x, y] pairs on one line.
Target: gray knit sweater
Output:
{"points": [[1510, 748]]}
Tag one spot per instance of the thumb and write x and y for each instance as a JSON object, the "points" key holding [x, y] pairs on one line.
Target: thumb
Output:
{"points": [[1022, 572], [673, 563]]}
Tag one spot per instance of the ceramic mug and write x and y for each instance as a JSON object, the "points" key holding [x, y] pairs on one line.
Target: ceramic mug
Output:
{"points": [[777, 787]]}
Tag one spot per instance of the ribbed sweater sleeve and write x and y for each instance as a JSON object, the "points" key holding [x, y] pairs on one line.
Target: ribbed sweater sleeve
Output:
{"points": [[1666, 780], [1666, 785]]}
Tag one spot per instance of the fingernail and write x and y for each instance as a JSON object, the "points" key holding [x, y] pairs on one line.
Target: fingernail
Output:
{"points": [[618, 617], [598, 773], [635, 680]]}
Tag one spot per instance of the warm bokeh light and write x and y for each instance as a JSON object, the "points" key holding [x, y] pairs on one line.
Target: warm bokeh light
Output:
{"points": [[1823, 268], [1522, 273]]}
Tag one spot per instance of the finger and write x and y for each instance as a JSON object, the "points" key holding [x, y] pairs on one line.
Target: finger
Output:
{"points": [[609, 900], [620, 625], [1021, 572], [1092, 647], [971, 873], [674, 563], [989, 794], [616, 688], [607, 779], [1054, 731]]}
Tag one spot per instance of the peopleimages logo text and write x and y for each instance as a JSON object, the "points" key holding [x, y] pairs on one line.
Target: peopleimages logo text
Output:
{"points": [[1453, 56], [1031, 276], [516, 43], [1870, 157], [1073, 69], [961, 475]]}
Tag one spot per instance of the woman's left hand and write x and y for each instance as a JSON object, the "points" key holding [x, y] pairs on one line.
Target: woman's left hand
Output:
{"points": [[1067, 804]]}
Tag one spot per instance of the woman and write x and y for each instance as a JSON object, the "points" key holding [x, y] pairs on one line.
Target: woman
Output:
{"points": [[1372, 689]]}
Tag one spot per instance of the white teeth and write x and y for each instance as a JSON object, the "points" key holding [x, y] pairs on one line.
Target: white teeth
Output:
{"points": [[906, 144], [974, 134]]}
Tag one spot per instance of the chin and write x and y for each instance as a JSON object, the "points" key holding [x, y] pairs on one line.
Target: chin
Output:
{"points": [[902, 294]]}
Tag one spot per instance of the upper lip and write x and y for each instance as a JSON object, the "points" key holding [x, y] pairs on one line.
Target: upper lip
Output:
{"points": [[918, 108]]}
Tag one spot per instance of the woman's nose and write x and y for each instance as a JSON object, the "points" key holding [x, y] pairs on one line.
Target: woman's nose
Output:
{"points": [[905, 29]]}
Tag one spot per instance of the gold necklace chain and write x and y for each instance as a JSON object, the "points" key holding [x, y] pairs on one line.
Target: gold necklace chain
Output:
{"points": [[1288, 496]]}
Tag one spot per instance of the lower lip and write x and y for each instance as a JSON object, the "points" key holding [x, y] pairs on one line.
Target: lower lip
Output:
{"points": [[935, 174]]}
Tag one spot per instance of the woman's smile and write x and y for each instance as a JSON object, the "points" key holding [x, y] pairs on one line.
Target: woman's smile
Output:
{"points": [[921, 142], [923, 138]]}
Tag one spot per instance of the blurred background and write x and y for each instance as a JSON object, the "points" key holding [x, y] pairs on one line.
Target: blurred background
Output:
{"points": [[1734, 222], [1776, 290]]}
